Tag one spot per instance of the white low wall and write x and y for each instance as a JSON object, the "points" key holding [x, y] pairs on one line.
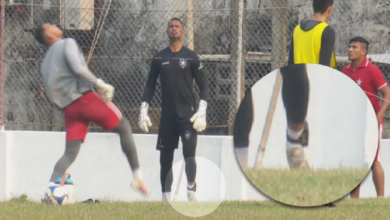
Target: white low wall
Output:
{"points": [[102, 172]]}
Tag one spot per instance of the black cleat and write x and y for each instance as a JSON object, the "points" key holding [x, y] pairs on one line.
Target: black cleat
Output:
{"points": [[88, 201], [330, 205]]}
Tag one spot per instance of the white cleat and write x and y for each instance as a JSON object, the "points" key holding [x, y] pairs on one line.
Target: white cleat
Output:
{"points": [[140, 186], [191, 193], [166, 197], [296, 158]]}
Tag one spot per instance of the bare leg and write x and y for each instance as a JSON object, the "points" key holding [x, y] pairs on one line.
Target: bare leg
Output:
{"points": [[355, 193], [378, 176]]}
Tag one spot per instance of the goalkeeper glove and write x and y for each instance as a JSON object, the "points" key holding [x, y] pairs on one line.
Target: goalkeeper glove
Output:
{"points": [[143, 119], [105, 90], [199, 118]]}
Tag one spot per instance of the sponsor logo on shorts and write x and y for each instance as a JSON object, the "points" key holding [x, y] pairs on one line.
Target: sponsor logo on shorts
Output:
{"points": [[187, 135]]}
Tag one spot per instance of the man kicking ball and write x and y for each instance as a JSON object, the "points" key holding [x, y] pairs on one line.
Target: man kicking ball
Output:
{"points": [[69, 84], [177, 66]]}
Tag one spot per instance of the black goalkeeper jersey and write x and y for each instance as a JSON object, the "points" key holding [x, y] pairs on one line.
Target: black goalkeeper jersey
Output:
{"points": [[177, 71]]}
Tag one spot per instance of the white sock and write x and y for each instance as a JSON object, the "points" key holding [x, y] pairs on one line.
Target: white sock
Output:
{"points": [[242, 156], [138, 173], [291, 146], [52, 184], [294, 134], [166, 196], [190, 186]]}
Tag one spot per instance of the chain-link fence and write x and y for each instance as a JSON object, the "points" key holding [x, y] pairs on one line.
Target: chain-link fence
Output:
{"points": [[238, 41]]}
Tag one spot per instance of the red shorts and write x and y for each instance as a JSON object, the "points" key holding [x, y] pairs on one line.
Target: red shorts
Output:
{"points": [[89, 108], [379, 142]]}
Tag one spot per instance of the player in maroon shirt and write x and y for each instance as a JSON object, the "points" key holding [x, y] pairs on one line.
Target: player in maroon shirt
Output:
{"points": [[369, 77]]}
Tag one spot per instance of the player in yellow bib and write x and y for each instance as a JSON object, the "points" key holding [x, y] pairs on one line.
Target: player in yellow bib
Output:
{"points": [[312, 42]]}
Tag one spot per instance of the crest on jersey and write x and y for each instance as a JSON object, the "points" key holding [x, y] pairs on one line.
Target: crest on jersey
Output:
{"points": [[359, 82], [182, 63]]}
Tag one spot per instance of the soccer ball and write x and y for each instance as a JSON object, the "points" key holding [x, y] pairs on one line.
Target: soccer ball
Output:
{"points": [[60, 193], [56, 195], [70, 188]]}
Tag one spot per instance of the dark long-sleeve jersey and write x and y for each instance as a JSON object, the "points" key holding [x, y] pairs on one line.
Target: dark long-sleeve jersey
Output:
{"points": [[328, 39], [177, 71]]}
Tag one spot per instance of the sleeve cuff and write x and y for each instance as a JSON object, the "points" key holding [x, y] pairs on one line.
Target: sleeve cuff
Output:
{"points": [[381, 86]]}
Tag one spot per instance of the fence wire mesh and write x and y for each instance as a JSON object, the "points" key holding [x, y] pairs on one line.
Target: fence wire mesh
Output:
{"points": [[238, 41]]}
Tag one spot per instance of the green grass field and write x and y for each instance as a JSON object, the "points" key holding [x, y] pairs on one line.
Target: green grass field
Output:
{"points": [[348, 209], [306, 187]]}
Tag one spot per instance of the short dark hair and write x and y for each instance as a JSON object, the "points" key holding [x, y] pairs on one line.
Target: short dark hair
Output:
{"points": [[39, 32], [320, 6], [361, 40], [176, 19]]}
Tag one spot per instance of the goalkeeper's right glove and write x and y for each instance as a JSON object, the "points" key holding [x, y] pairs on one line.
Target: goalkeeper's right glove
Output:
{"points": [[143, 119], [105, 90]]}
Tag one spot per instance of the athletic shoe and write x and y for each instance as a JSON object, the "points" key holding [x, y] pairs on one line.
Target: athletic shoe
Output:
{"points": [[139, 185], [296, 158], [191, 193]]}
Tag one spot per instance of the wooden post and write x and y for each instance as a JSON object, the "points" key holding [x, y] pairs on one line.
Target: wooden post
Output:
{"points": [[279, 38], [237, 58], [190, 24]]}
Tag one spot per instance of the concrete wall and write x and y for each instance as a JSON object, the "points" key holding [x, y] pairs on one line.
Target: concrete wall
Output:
{"points": [[101, 170]]}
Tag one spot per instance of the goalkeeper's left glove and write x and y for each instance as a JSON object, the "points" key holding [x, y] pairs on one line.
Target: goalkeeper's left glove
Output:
{"points": [[105, 90], [199, 118]]}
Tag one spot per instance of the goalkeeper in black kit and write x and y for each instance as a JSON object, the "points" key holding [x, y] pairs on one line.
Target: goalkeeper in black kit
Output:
{"points": [[177, 67]]}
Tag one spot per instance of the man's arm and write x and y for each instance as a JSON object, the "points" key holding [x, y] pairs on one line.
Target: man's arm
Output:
{"points": [[143, 120], [76, 63], [78, 66], [199, 118], [327, 45], [151, 82], [385, 91], [380, 83], [200, 79], [291, 52]]}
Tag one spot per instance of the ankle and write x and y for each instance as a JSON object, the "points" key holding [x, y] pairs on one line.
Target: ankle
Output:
{"points": [[137, 173], [294, 134]]}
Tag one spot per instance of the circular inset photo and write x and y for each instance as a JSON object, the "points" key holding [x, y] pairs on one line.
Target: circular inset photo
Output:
{"points": [[306, 135], [206, 193]]}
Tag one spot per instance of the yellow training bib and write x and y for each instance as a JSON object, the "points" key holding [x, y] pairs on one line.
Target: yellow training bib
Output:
{"points": [[307, 45]]}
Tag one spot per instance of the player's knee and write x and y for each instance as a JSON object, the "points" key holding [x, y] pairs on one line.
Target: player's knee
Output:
{"points": [[123, 127], [71, 157], [72, 149], [166, 160], [189, 151]]}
